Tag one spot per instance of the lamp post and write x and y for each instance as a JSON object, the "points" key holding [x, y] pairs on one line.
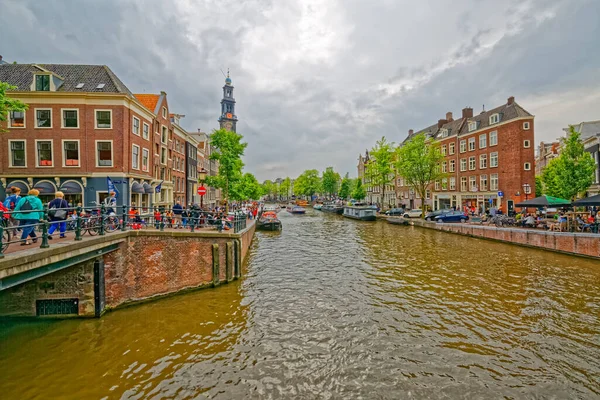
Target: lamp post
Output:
{"points": [[526, 190], [202, 179]]}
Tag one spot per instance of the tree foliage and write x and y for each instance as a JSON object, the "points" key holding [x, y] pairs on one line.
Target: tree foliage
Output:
{"points": [[246, 188], [269, 189], [572, 172], [359, 192], [229, 150], [308, 183], [380, 169], [417, 161], [346, 187], [8, 104], [331, 181], [284, 188]]}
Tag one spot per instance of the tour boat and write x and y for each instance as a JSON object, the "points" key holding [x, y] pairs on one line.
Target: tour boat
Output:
{"points": [[268, 221], [295, 210], [272, 207], [332, 208], [363, 213], [301, 203]]}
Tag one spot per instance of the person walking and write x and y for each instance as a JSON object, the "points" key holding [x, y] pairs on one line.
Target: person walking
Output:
{"points": [[57, 211], [29, 211], [178, 214]]}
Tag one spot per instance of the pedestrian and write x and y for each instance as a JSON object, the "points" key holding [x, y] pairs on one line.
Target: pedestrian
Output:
{"points": [[110, 203], [177, 211], [157, 218], [29, 211], [11, 201], [57, 211], [184, 217]]}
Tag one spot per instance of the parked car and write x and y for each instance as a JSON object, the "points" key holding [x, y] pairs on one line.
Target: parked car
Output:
{"points": [[395, 211], [430, 216], [414, 213], [452, 216]]}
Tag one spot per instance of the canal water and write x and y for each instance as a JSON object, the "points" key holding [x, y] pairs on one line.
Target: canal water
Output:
{"points": [[333, 308]]}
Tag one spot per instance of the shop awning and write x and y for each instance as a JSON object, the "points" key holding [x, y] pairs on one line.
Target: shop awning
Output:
{"points": [[45, 187], [148, 189], [70, 188], [24, 188], [137, 188], [545, 201]]}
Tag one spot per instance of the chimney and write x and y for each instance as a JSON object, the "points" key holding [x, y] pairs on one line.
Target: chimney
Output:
{"points": [[467, 112], [410, 132], [511, 100], [441, 122], [449, 116]]}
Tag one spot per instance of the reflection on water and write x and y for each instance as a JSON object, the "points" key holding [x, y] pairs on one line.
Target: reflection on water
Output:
{"points": [[335, 308]]}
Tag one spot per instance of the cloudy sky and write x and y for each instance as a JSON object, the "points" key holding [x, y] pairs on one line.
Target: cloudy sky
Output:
{"points": [[318, 81]]}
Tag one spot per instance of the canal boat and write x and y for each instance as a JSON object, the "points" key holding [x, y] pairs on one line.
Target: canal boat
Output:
{"points": [[333, 208], [301, 203], [271, 207], [363, 213], [295, 210], [268, 221], [318, 207]]}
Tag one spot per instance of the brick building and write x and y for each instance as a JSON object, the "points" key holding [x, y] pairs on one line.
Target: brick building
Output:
{"points": [[544, 154], [82, 126], [489, 159]]}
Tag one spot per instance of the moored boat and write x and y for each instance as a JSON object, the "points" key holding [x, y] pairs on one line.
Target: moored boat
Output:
{"points": [[318, 206], [268, 222], [301, 203], [295, 210], [363, 213], [333, 208]]}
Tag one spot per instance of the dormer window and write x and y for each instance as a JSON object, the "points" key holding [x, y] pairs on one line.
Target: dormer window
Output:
{"points": [[42, 83], [494, 119], [444, 133], [472, 126]]}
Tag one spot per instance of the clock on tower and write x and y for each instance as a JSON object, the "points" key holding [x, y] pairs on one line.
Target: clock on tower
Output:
{"points": [[228, 119]]}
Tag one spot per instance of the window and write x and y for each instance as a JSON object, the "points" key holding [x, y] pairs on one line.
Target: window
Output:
{"points": [[163, 155], [145, 157], [463, 146], [428, 194], [494, 119], [483, 183], [473, 183], [16, 119], [135, 157], [472, 126], [526, 144], [472, 164], [452, 165], [42, 83], [104, 154], [463, 164], [444, 149], [494, 182], [437, 185], [482, 141], [493, 159], [463, 184], [493, 138], [44, 153], [135, 126], [146, 131], [43, 118], [70, 119], [164, 111], [444, 184], [452, 183], [527, 166], [451, 148], [17, 153], [103, 119], [163, 136], [526, 126], [444, 167], [444, 133], [471, 144], [71, 153], [482, 161]]}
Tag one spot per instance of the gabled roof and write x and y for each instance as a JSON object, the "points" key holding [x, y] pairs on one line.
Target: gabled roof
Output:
{"points": [[586, 129], [72, 75], [150, 101], [506, 112]]}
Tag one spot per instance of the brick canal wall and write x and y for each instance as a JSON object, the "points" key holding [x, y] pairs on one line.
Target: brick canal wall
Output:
{"points": [[581, 244]]}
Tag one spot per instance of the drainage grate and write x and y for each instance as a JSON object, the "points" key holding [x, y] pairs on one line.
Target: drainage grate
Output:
{"points": [[57, 307]]}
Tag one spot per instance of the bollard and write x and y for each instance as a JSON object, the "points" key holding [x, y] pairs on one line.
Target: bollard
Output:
{"points": [[45, 243], [78, 224], [124, 220], [102, 214]]}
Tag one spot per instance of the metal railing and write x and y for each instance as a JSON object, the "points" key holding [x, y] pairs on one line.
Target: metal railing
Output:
{"points": [[101, 220]]}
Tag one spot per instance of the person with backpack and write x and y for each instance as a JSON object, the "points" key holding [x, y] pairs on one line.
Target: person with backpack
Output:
{"points": [[29, 211], [57, 211], [11, 201]]}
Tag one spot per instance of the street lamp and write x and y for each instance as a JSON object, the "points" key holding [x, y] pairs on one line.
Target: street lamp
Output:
{"points": [[527, 190], [202, 178]]}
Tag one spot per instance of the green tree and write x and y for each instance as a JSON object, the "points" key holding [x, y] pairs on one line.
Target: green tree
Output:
{"points": [[229, 150], [7, 104], [284, 188], [308, 183], [539, 187], [270, 189], [379, 171], [346, 187], [247, 188], [359, 192], [417, 161], [331, 181], [572, 172]]}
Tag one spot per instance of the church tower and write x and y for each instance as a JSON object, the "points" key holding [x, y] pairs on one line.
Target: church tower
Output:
{"points": [[228, 119]]}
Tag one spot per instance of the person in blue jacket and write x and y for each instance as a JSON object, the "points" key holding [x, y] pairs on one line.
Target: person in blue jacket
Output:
{"points": [[29, 211]]}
